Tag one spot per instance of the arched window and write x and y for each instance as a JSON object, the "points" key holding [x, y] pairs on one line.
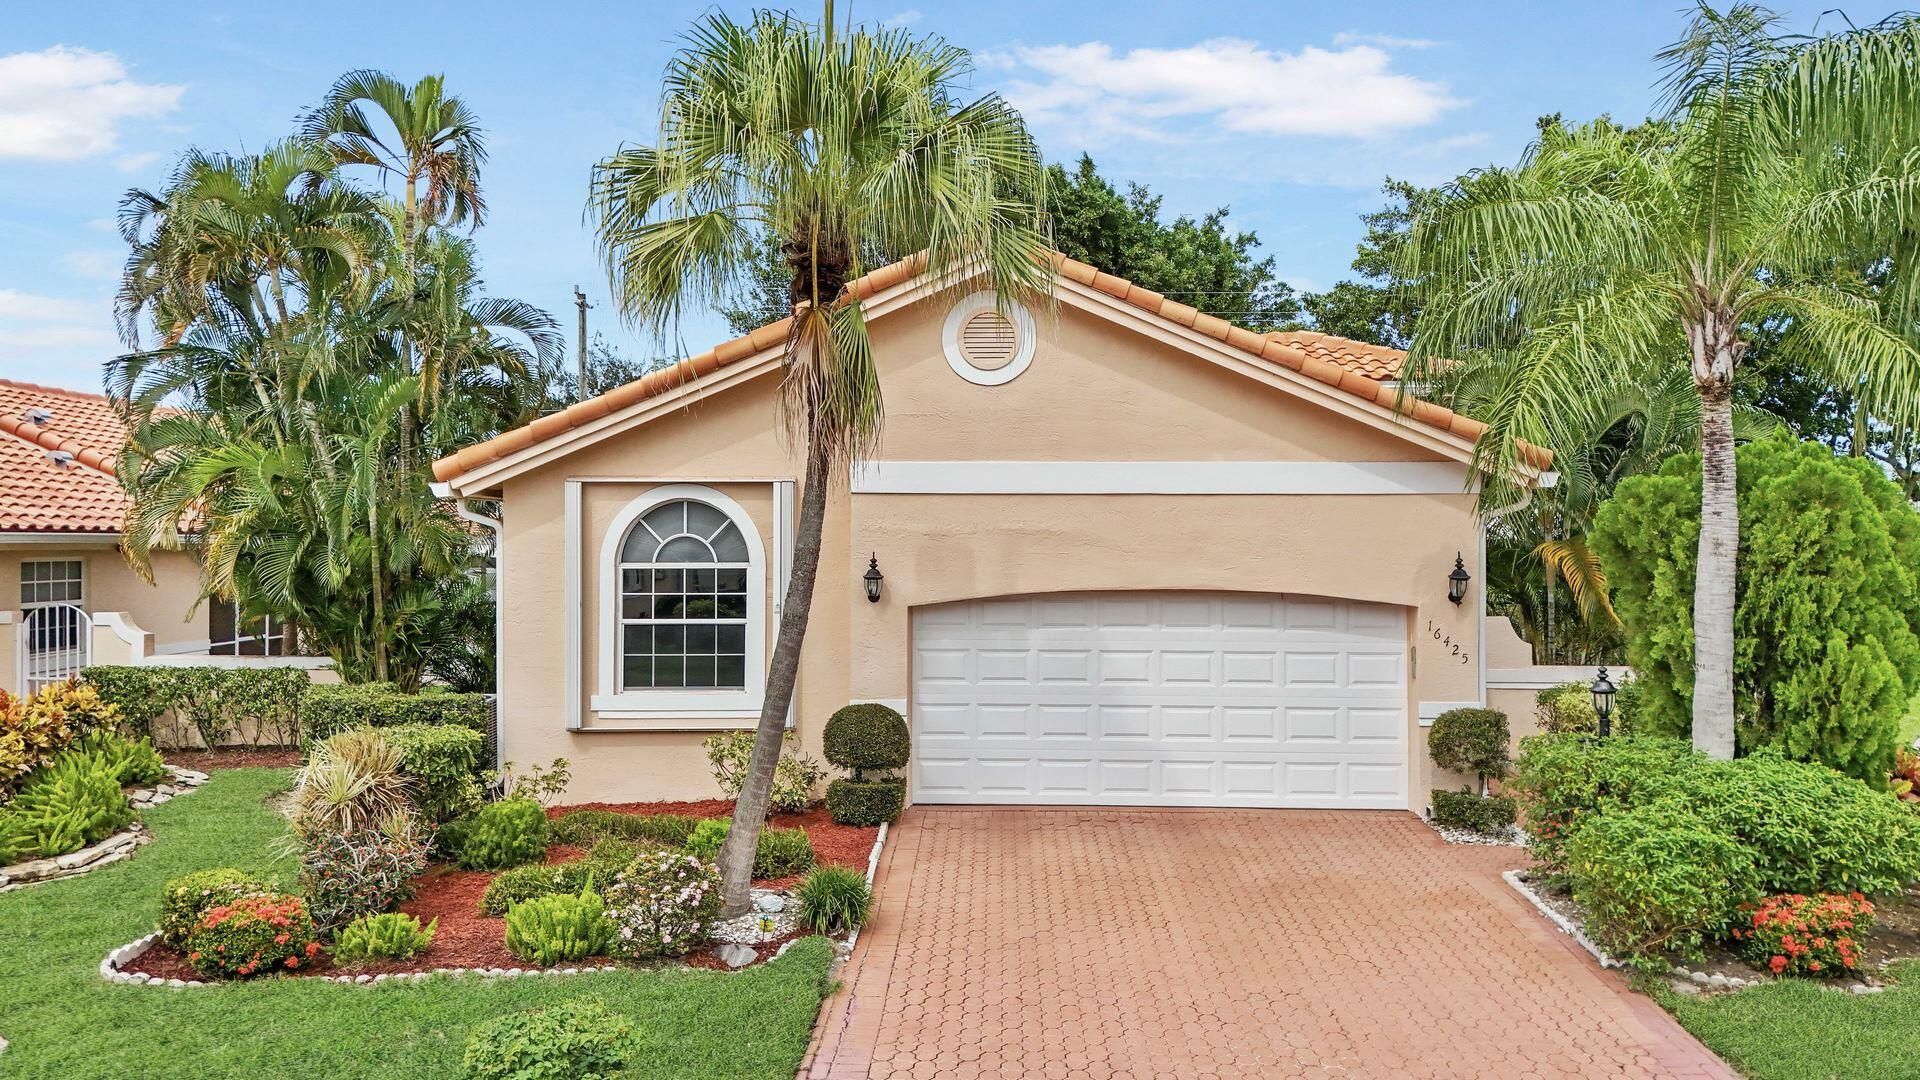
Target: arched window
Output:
{"points": [[684, 569]]}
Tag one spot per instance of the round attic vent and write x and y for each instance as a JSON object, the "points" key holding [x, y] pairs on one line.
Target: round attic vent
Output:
{"points": [[986, 346]]}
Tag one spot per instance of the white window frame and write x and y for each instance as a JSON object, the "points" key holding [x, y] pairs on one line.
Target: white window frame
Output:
{"points": [[679, 708], [78, 601]]}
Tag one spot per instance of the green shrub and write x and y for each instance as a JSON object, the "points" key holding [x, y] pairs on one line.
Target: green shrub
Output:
{"points": [[186, 898], [866, 802], [663, 904], [793, 776], [216, 702], [135, 763], [443, 764], [1655, 879], [17, 842], [556, 929], [601, 866], [779, 852], [574, 1040], [451, 836], [833, 900], [1561, 780], [328, 709], [253, 935], [34, 730], [72, 801], [1488, 814], [387, 936], [351, 781], [583, 828], [345, 875], [1808, 828], [1472, 741], [1567, 709], [866, 736], [1827, 613], [506, 833]]}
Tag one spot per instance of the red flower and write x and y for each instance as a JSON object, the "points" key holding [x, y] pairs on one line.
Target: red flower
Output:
{"points": [[1778, 964]]}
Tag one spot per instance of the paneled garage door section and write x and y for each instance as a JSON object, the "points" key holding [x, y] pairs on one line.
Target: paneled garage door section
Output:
{"points": [[1161, 699]]}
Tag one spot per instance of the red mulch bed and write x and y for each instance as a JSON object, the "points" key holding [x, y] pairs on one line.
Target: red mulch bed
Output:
{"points": [[468, 939], [234, 757]]}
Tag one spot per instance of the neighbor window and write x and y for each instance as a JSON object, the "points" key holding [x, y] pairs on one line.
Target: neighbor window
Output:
{"points": [[684, 568], [50, 581], [230, 635]]}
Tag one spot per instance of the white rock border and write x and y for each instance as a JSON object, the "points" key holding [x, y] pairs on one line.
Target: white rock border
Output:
{"points": [[111, 850], [111, 970], [1566, 925]]}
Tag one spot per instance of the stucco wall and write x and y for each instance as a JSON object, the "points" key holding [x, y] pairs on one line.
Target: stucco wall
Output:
{"points": [[111, 585], [1095, 392]]}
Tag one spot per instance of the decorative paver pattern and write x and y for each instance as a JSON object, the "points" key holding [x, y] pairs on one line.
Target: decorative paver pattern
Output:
{"points": [[1095, 943]]}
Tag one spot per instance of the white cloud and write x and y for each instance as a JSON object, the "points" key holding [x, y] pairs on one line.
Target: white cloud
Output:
{"points": [[33, 322], [902, 18], [97, 264], [1385, 41], [64, 103], [1227, 85]]}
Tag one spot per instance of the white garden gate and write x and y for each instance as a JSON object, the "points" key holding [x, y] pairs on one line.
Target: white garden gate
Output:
{"points": [[55, 642]]}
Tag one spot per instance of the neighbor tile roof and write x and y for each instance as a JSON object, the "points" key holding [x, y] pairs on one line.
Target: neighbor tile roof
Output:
{"points": [[1376, 362], [1318, 360], [37, 495]]}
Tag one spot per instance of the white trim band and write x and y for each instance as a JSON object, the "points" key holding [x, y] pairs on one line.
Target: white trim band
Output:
{"points": [[1161, 478]]}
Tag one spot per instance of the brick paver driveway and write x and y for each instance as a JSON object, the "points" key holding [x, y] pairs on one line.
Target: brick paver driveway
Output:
{"points": [[1110, 943]]}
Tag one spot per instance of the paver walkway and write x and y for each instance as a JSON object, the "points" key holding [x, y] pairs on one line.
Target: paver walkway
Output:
{"points": [[1126, 943]]}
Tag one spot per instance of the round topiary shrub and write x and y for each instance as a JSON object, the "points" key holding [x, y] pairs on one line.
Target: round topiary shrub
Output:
{"points": [[866, 736], [1470, 741], [865, 802], [507, 833]]}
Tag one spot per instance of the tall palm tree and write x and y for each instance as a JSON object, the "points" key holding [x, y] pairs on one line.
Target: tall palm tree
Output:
{"points": [[1609, 248], [840, 141], [434, 152]]}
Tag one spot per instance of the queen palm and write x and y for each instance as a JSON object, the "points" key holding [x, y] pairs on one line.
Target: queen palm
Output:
{"points": [[840, 142], [1610, 250]]}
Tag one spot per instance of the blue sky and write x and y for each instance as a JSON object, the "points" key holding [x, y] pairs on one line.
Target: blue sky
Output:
{"points": [[1289, 113]]}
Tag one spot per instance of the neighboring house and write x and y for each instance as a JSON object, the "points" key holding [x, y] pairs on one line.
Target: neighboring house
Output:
{"points": [[67, 595], [1132, 555]]}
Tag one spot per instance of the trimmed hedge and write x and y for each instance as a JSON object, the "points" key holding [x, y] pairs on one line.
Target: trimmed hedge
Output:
{"points": [[585, 828], [216, 702], [444, 764], [866, 736], [328, 709], [866, 802], [1488, 814]]}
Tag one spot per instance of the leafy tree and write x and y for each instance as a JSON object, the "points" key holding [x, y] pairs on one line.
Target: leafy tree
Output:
{"points": [[1378, 307], [1828, 610], [841, 142], [1195, 261], [1609, 251]]}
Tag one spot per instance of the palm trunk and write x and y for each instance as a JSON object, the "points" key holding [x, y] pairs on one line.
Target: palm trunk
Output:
{"points": [[1715, 351], [750, 811]]}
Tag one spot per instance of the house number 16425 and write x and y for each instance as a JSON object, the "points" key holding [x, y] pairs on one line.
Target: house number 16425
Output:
{"points": [[1446, 642]]}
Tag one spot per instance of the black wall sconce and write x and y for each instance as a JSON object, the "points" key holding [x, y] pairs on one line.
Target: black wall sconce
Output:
{"points": [[1457, 581], [873, 577]]}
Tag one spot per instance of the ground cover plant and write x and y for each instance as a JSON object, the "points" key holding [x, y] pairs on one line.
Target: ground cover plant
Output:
{"points": [[63, 1020]]}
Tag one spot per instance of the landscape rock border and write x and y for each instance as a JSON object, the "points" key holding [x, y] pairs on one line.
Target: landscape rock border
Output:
{"points": [[111, 850]]}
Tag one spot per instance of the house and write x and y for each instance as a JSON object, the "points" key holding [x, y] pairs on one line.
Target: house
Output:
{"points": [[1128, 554], [79, 602]]}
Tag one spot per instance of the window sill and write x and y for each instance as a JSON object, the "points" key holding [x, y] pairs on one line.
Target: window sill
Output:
{"points": [[695, 711]]}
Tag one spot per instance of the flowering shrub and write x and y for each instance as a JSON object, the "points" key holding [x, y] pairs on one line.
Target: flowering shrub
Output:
{"points": [[663, 904], [1805, 935], [188, 897], [253, 935], [361, 871]]}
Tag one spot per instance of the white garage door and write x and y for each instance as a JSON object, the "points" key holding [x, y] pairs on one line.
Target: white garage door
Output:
{"points": [[1161, 699]]}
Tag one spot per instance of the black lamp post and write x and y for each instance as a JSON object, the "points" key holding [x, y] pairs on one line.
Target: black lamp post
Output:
{"points": [[1603, 691], [873, 578], [1457, 581]]}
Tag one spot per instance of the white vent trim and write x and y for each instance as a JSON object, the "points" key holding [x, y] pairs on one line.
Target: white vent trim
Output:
{"points": [[953, 343]]}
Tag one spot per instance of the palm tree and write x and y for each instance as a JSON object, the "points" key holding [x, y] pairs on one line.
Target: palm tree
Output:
{"points": [[840, 142], [435, 151], [1610, 249]]}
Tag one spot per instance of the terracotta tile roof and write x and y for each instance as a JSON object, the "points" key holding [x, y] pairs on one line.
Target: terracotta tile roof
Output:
{"points": [[1320, 360], [1377, 362], [39, 495]]}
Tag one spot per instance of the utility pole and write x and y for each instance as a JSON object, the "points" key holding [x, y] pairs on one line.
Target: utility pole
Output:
{"points": [[580, 346]]}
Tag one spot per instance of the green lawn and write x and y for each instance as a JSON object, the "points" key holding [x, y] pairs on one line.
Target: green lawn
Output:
{"points": [[64, 1021], [1795, 1030]]}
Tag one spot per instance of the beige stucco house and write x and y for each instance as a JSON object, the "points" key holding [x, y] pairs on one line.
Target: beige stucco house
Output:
{"points": [[1131, 555], [68, 597]]}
